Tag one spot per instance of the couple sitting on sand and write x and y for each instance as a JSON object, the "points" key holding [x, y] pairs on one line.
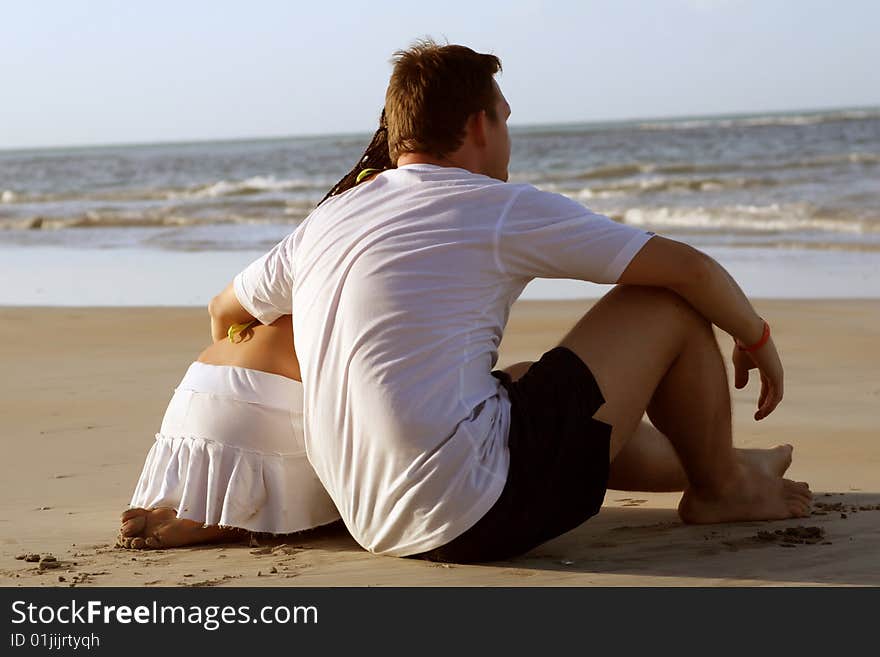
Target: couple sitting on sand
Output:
{"points": [[396, 290]]}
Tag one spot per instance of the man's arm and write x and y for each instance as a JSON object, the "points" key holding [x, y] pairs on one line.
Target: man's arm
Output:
{"points": [[225, 310], [700, 280], [707, 286]]}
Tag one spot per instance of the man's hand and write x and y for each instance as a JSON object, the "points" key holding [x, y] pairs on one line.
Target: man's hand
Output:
{"points": [[766, 360]]}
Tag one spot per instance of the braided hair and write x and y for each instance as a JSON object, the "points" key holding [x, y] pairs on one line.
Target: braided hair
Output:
{"points": [[375, 157]]}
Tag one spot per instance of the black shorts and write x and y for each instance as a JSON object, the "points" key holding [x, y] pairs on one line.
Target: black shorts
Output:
{"points": [[558, 463]]}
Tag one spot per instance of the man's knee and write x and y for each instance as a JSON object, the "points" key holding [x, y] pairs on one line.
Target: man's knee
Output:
{"points": [[658, 303], [643, 295]]}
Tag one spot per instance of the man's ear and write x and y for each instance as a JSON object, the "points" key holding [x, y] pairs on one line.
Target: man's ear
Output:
{"points": [[476, 125]]}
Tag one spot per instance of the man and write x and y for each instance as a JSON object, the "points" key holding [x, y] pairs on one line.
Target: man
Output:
{"points": [[400, 289]]}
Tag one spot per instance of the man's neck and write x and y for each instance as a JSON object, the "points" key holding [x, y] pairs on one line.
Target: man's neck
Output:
{"points": [[424, 158]]}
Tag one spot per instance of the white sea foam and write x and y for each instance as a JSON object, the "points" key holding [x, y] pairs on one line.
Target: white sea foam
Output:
{"points": [[747, 218], [221, 188], [134, 219], [253, 185], [676, 184]]}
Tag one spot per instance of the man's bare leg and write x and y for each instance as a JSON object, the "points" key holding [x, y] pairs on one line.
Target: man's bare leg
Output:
{"points": [[156, 529], [649, 350], [648, 462]]}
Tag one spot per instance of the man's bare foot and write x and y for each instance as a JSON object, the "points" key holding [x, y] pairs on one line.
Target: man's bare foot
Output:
{"points": [[774, 461], [155, 529], [751, 494]]}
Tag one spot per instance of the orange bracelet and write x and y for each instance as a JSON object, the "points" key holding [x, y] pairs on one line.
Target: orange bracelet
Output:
{"points": [[760, 343]]}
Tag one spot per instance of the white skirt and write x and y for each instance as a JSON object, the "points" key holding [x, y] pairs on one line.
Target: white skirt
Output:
{"points": [[230, 452]]}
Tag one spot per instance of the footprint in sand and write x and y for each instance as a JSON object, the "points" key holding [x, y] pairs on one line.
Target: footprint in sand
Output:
{"points": [[629, 501], [793, 536]]}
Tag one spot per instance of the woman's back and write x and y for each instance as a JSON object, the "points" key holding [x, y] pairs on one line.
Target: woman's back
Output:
{"points": [[264, 348]]}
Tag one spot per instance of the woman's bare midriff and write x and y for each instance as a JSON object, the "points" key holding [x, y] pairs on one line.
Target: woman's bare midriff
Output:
{"points": [[264, 348]]}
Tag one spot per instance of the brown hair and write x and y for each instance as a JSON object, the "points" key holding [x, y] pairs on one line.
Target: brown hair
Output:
{"points": [[432, 92]]}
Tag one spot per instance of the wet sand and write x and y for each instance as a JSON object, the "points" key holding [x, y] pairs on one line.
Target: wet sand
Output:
{"points": [[84, 390]]}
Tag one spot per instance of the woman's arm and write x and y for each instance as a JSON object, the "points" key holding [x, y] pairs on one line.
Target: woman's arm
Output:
{"points": [[225, 310]]}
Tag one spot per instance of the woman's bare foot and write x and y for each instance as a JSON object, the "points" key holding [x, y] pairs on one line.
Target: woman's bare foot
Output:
{"points": [[774, 461], [156, 529], [752, 493]]}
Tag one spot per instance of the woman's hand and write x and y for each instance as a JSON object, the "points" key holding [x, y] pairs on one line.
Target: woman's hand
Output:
{"points": [[225, 310], [766, 360]]}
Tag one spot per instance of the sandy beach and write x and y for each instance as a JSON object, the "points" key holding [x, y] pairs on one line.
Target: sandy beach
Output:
{"points": [[84, 390]]}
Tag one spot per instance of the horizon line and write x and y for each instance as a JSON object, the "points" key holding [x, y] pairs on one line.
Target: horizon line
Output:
{"points": [[515, 126]]}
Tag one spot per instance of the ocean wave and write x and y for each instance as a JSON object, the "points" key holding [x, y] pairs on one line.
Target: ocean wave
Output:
{"points": [[857, 157], [253, 185], [616, 170], [218, 189], [764, 120], [748, 218], [140, 220], [659, 184], [630, 169], [103, 196]]}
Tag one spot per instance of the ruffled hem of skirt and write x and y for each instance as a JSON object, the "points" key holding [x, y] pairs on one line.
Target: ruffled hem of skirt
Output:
{"points": [[217, 484]]}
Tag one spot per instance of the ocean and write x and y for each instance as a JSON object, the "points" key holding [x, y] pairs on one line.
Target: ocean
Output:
{"points": [[792, 195]]}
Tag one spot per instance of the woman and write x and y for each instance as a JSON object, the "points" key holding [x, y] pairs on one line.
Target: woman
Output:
{"points": [[230, 455]]}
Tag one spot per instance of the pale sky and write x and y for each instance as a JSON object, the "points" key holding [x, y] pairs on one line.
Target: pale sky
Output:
{"points": [[104, 71]]}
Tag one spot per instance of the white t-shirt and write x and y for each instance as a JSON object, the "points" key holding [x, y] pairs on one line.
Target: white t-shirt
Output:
{"points": [[400, 290]]}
